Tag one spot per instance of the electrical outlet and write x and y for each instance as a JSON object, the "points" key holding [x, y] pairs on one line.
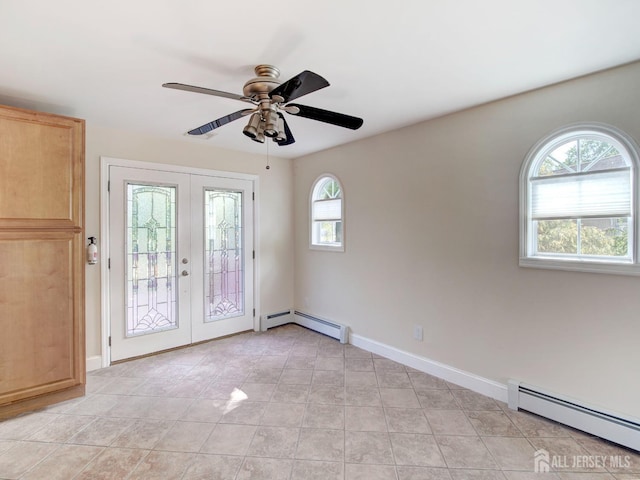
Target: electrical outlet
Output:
{"points": [[417, 332]]}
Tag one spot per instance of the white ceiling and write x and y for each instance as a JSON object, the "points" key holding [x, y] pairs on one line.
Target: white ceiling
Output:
{"points": [[391, 63]]}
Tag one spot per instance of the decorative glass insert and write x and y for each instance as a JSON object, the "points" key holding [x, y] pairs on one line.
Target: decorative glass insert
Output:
{"points": [[151, 259], [224, 262]]}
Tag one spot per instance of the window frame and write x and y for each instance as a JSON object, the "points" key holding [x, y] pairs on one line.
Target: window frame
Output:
{"points": [[558, 261], [329, 247]]}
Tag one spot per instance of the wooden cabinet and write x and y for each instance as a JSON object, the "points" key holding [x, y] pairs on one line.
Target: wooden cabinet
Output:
{"points": [[42, 346]]}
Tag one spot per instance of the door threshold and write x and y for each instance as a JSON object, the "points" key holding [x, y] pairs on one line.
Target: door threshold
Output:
{"points": [[181, 347]]}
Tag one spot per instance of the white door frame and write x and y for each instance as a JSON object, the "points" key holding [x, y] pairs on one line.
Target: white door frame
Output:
{"points": [[105, 163]]}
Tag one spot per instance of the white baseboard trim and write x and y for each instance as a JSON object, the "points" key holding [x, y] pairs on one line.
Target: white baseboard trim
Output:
{"points": [[453, 375], [94, 363]]}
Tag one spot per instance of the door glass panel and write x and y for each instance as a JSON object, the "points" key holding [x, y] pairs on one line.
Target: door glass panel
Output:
{"points": [[223, 269], [151, 259]]}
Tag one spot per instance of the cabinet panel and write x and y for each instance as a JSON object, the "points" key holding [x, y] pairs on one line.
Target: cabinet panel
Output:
{"points": [[42, 351], [41, 313], [41, 170]]}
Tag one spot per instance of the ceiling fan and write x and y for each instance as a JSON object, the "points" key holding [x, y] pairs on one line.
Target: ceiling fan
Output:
{"points": [[270, 98]]}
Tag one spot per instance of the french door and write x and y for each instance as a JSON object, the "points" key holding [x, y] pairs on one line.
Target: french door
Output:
{"points": [[181, 255]]}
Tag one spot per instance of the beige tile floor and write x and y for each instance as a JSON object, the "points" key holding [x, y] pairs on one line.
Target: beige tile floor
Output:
{"points": [[288, 404]]}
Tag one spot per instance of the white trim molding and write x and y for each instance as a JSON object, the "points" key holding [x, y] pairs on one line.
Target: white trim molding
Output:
{"points": [[94, 363], [484, 386]]}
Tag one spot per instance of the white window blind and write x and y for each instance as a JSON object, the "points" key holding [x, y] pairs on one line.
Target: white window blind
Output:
{"points": [[327, 209], [593, 194]]}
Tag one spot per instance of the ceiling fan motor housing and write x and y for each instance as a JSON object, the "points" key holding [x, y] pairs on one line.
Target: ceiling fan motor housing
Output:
{"points": [[266, 80]]}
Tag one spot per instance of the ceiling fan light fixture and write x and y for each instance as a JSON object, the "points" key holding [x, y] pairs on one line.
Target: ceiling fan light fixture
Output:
{"points": [[281, 136], [271, 124], [252, 128], [260, 138]]}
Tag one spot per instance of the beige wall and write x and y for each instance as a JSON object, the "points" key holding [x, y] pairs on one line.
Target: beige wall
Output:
{"points": [[432, 240], [275, 200]]}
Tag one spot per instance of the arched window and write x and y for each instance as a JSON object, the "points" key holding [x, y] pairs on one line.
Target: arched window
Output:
{"points": [[327, 214], [578, 195]]}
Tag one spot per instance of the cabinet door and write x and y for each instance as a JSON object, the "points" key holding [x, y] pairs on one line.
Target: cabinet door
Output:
{"points": [[41, 313], [41, 170]]}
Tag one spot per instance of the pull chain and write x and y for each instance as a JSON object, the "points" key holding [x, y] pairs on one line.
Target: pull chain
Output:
{"points": [[268, 167]]}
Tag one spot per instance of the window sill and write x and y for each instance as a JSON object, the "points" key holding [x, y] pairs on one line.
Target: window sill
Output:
{"points": [[581, 266], [327, 248]]}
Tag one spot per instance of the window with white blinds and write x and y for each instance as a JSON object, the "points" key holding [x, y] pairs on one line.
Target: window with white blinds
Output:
{"points": [[590, 194], [327, 209], [327, 214], [578, 196]]}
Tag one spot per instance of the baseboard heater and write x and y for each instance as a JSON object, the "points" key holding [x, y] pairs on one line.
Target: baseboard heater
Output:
{"points": [[275, 320], [612, 427], [320, 325]]}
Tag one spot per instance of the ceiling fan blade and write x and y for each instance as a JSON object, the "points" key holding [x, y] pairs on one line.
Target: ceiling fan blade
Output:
{"points": [[326, 116], [301, 84], [287, 131], [207, 127], [207, 91]]}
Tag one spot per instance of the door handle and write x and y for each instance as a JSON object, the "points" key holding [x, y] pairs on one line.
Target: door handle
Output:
{"points": [[185, 273]]}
